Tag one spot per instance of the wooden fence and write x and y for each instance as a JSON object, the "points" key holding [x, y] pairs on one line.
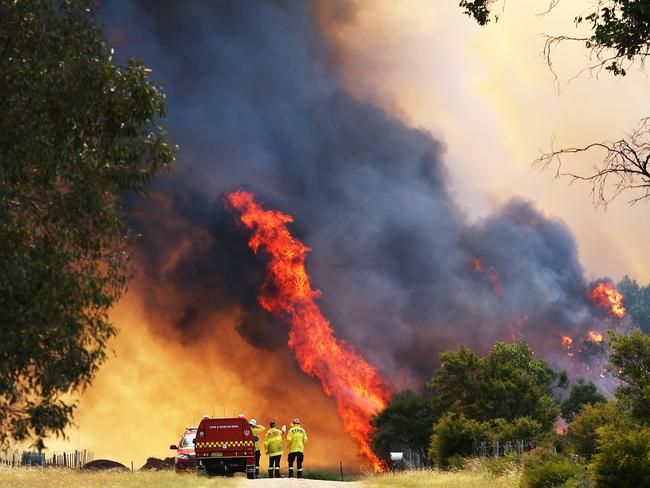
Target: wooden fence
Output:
{"points": [[71, 459]]}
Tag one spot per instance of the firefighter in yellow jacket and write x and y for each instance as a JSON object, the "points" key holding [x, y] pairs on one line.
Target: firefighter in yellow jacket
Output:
{"points": [[257, 433], [296, 438], [273, 447]]}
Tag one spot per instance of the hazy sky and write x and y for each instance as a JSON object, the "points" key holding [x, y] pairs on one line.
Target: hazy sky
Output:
{"points": [[488, 94]]}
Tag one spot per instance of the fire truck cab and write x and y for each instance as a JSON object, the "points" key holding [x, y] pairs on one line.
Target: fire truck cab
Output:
{"points": [[225, 446]]}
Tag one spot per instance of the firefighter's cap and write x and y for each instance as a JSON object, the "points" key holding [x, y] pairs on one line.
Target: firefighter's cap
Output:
{"points": [[272, 423], [252, 422], [296, 421]]}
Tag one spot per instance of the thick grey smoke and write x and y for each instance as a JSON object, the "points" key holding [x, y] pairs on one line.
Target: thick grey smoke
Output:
{"points": [[255, 101]]}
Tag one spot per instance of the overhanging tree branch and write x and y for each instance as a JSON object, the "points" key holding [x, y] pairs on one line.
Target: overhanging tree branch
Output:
{"points": [[623, 168]]}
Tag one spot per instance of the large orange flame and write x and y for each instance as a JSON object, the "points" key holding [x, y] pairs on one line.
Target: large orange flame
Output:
{"points": [[358, 389], [606, 297], [594, 336]]}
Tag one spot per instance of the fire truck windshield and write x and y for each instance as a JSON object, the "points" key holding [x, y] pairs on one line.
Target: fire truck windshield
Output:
{"points": [[187, 440]]}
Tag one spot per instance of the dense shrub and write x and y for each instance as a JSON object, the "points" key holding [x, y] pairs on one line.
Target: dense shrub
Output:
{"points": [[623, 458], [455, 435], [583, 431], [542, 468], [500, 465], [450, 438]]}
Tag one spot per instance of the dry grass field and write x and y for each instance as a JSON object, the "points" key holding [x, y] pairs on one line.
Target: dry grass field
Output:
{"points": [[441, 479], [60, 478], [64, 478]]}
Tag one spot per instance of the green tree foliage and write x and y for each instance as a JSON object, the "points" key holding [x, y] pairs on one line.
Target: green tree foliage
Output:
{"points": [[623, 458], [508, 383], [583, 431], [582, 393], [77, 132], [479, 9], [637, 302], [523, 428], [620, 29], [404, 424], [630, 362]]}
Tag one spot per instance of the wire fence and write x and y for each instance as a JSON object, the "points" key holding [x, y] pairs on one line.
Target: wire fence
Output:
{"points": [[497, 449], [70, 459]]}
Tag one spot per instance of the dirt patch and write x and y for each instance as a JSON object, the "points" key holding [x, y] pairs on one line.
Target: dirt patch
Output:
{"points": [[103, 464], [297, 483], [157, 464]]}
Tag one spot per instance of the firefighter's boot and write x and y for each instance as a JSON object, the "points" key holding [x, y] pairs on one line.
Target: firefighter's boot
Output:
{"points": [[299, 472], [271, 471], [290, 472]]}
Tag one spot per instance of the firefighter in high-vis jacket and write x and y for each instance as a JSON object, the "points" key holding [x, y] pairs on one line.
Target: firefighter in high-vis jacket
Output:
{"points": [[296, 438], [273, 447], [257, 433]]}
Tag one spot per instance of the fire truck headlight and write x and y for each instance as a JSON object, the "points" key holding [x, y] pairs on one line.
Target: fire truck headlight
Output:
{"points": [[182, 456]]}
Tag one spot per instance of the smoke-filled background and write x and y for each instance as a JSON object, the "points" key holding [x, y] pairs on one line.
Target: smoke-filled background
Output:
{"points": [[283, 99]]}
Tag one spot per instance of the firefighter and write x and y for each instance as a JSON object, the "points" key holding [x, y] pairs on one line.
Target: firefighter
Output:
{"points": [[296, 438], [257, 432], [273, 447]]}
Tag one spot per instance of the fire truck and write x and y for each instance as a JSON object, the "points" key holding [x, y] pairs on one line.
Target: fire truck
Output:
{"points": [[225, 446]]}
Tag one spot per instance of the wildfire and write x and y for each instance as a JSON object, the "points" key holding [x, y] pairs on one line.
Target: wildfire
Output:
{"points": [[606, 297], [567, 341], [594, 336], [358, 389], [490, 272]]}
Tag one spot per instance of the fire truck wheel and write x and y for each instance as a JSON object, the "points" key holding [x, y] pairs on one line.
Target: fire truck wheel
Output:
{"points": [[250, 471]]}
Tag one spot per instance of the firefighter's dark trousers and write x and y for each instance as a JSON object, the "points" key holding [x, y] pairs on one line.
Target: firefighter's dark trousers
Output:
{"points": [[274, 466], [257, 463], [297, 456]]}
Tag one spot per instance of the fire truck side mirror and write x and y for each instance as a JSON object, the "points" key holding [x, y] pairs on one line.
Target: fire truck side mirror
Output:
{"points": [[193, 441], [173, 446]]}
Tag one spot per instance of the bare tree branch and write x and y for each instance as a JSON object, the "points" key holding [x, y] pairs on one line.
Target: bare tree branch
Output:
{"points": [[623, 167]]}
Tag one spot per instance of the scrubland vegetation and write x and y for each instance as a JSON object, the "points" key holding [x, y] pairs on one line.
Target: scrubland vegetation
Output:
{"points": [[475, 404]]}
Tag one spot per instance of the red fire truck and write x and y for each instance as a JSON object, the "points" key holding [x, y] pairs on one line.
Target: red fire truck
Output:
{"points": [[225, 446]]}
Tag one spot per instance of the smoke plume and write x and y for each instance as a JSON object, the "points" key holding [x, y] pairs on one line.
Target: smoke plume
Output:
{"points": [[256, 102]]}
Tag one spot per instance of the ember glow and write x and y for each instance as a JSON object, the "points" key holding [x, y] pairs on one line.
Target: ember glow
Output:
{"points": [[287, 293], [594, 336], [490, 272], [606, 297], [567, 341]]}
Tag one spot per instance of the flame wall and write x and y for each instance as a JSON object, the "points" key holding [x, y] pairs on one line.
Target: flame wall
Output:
{"points": [[257, 100]]}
